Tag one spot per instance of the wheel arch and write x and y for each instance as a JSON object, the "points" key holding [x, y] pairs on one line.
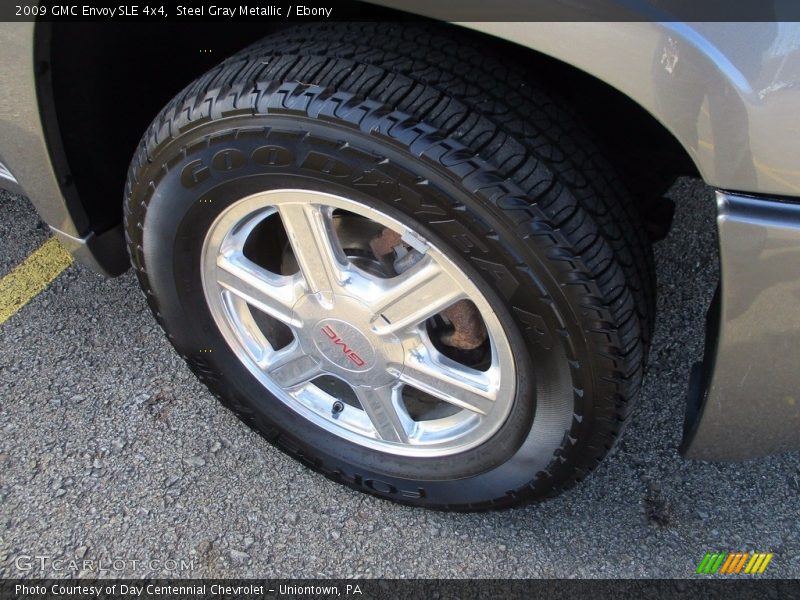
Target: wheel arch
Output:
{"points": [[91, 146]]}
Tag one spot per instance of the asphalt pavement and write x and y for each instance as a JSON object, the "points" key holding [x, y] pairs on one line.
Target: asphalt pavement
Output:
{"points": [[113, 455]]}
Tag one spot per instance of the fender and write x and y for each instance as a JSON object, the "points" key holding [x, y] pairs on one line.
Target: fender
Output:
{"points": [[728, 103]]}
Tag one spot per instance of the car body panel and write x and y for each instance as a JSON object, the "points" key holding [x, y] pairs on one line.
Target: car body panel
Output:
{"points": [[23, 149], [728, 92], [27, 161], [8, 181], [748, 399]]}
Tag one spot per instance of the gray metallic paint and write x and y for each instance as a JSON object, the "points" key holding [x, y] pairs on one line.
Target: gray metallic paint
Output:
{"points": [[728, 92], [29, 162], [8, 181], [22, 142], [751, 405]]}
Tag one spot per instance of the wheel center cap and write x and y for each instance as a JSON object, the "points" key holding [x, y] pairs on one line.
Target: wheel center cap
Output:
{"points": [[339, 329], [343, 345]]}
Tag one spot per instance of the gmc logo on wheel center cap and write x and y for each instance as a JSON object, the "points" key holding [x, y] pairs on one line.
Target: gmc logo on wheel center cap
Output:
{"points": [[331, 334]]}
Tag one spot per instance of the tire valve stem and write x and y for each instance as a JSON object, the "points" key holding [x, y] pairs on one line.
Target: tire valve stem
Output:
{"points": [[337, 408]]}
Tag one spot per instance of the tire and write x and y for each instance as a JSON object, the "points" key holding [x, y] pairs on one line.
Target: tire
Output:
{"points": [[420, 127]]}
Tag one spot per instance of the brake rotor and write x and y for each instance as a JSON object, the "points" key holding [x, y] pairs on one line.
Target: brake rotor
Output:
{"points": [[469, 331]]}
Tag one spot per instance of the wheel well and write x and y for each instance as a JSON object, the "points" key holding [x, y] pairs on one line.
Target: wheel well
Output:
{"points": [[108, 80]]}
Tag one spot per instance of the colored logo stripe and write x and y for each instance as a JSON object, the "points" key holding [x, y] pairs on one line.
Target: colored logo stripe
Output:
{"points": [[758, 563], [734, 562], [710, 563]]}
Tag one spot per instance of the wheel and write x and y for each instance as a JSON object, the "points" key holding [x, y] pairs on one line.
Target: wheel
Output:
{"points": [[418, 280]]}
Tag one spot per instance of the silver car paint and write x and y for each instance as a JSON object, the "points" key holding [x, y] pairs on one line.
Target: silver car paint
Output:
{"points": [[6, 174], [22, 144], [751, 405], [24, 152], [729, 94]]}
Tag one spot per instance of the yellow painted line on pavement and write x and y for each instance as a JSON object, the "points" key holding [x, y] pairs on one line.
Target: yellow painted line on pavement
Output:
{"points": [[32, 276]]}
